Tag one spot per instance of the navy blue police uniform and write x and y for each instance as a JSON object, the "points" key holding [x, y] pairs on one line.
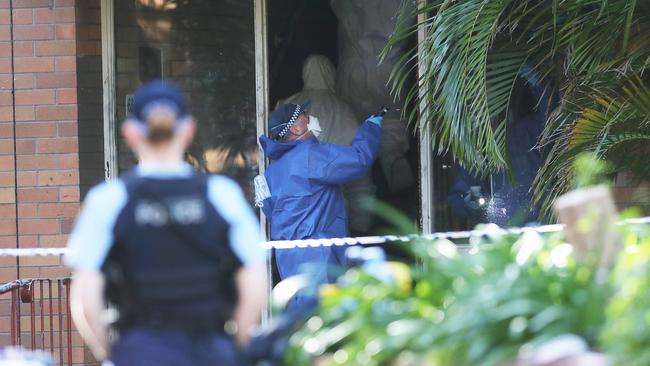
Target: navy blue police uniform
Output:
{"points": [[169, 242]]}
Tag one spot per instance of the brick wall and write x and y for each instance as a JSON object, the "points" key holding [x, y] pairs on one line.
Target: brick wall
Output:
{"points": [[39, 139], [8, 229], [47, 159]]}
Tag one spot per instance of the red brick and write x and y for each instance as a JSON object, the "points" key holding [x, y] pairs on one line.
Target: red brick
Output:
{"points": [[36, 129], [38, 226], [5, 17], [66, 31], [61, 210], [35, 64], [67, 225], [25, 113], [57, 145], [7, 179], [69, 161], [5, 33], [5, 49], [52, 241], [7, 275], [68, 129], [69, 194], [30, 272], [25, 146], [6, 98], [58, 80], [66, 96], [33, 32], [54, 113], [79, 356], [38, 162], [6, 147], [28, 241], [65, 63], [27, 210], [27, 179], [54, 15], [7, 195], [6, 131], [23, 16], [55, 272], [6, 321], [54, 48], [24, 81], [8, 262], [39, 194], [59, 3], [6, 114], [32, 3], [7, 242], [58, 178], [24, 49], [5, 63], [6, 163], [39, 261], [7, 227], [35, 97], [6, 81], [7, 210]]}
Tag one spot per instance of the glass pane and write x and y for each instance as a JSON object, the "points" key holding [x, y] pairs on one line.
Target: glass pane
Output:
{"points": [[206, 47]]}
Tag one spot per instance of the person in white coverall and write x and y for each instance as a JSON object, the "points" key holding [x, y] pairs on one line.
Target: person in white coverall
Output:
{"points": [[339, 126], [365, 27]]}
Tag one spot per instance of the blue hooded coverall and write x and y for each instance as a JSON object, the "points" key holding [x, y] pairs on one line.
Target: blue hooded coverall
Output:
{"points": [[306, 201]]}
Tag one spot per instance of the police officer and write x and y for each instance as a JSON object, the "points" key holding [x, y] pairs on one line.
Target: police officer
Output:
{"points": [[304, 180], [176, 252]]}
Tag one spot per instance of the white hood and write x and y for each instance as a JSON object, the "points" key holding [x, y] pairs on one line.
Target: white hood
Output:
{"points": [[318, 73]]}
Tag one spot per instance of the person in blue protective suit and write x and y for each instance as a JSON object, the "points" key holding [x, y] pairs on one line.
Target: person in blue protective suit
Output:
{"points": [[174, 251], [303, 180], [506, 198]]}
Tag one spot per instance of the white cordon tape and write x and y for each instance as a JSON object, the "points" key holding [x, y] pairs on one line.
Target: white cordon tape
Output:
{"points": [[363, 240], [373, 240], [32, 252]]}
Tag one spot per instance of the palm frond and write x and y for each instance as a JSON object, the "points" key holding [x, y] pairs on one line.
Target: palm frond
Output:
{"points": [[596, 53], [615, 127]]}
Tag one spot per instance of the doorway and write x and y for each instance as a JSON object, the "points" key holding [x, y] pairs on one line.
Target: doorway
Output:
{"points": [[300, 28]]}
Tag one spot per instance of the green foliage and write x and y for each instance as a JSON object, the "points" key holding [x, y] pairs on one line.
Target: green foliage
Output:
{"points": [[471, 52], [474, 308], [626, 334], [588, 170], [612, 124]]}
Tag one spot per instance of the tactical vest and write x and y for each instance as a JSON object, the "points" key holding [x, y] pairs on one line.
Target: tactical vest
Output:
{"points": [[171, 265]]}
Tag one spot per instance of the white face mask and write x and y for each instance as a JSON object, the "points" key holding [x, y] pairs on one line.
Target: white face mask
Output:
{"points": [[314, 126]]}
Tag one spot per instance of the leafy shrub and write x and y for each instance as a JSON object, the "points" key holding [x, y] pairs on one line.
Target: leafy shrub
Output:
{"points": [[476, 307], [626, 334]]}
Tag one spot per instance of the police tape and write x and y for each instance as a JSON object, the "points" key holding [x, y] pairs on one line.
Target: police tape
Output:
{"points": [[489, 230], [32, 252]]}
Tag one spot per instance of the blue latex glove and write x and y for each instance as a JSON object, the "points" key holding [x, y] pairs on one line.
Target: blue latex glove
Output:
{"points": [[376, 120]]}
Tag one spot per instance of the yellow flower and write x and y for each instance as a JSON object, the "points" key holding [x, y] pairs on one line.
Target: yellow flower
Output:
{"points": [[328, 290], [402, 275]]}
